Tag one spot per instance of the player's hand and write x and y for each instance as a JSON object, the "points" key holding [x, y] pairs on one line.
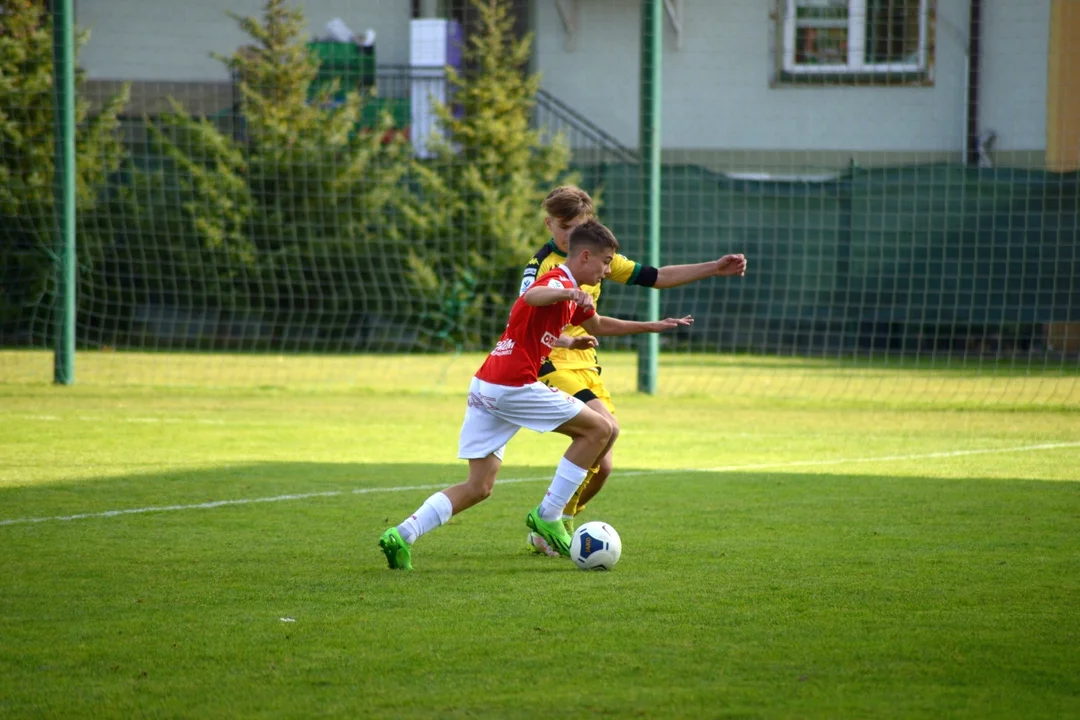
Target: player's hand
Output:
{"points": [[672, 323], [731, 265], [576, 342], [583, 342], [582, 298]]}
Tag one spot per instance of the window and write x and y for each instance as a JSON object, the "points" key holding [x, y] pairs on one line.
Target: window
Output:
{"points": [[855, 38]]}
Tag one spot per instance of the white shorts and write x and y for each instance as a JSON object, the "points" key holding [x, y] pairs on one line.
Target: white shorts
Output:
{"points": [[496, 412]]}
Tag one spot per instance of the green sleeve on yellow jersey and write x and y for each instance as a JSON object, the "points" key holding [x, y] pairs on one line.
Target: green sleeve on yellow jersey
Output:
{"points": [[624, 270]]}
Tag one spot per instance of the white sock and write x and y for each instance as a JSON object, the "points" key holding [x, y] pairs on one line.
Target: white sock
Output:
{"points": [[435, 511], [568, 477]]}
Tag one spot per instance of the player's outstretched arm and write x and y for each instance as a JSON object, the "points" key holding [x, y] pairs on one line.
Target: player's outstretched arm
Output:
{"points": [[542, 295], [671, 276], [602, 325]]}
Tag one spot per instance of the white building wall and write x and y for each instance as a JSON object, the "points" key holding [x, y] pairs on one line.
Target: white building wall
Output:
{"points": [[717, 93], [1014, 71], [170, 40]]}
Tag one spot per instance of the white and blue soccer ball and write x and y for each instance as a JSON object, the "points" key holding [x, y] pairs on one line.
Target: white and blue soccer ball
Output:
{"points": [[595, 546]]}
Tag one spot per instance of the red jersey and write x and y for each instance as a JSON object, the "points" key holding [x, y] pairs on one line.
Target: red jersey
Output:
{"points": [[531, 334]]}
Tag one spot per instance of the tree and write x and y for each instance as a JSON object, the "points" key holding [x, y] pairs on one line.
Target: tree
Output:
{"points": [[478, 210], [27, 146], [287, 216]]}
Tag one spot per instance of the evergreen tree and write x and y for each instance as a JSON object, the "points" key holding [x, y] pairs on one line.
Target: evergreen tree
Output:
{"points": [[479, 203], [289, 216], [27, 147]]}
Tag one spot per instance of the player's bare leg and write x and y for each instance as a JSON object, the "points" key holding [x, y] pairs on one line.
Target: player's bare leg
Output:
{"points": [[537, 543], [478, 486], [598, 473], [591, 435], [396, 542], [595, 483]]}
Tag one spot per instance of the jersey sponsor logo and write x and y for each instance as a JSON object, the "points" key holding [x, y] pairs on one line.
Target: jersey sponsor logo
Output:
{"points": [[503, 347], [555, 282], [549, 339], [526, 284]]}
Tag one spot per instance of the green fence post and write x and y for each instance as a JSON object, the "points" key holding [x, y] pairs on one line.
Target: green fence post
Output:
{"points": [[651, 50], [64, 183]]}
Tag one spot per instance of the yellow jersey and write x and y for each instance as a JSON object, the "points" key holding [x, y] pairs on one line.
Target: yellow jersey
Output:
{"points": [[623, 270]]}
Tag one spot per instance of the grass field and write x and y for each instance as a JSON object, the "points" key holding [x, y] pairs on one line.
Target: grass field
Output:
{"points": [[186, 551]]}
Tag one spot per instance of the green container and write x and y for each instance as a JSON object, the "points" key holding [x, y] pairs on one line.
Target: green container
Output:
{"points": [[352, 65]]}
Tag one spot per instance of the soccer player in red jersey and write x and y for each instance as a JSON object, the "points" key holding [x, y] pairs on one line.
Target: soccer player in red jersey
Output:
{"points": [[506, 396], [574, 367]]}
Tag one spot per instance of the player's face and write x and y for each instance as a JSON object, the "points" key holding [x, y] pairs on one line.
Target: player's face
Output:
{"points": [[597, 267], [560, 230]]}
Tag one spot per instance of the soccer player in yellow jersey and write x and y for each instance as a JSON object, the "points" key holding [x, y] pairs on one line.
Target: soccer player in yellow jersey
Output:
{"points": [[572, 365]]}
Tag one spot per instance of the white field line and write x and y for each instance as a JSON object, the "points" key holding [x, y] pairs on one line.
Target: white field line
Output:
{"points": [[892, 458], [507, 481]]}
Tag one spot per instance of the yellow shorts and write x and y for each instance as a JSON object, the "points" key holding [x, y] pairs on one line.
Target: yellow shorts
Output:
{"points": [[584, 383]]}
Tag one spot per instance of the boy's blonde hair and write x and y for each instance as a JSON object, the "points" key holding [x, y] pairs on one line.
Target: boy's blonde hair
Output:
{"points": [[568, 202]]}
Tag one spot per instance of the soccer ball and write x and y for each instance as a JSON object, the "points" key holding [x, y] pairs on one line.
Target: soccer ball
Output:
{"points": [[595, 546]]}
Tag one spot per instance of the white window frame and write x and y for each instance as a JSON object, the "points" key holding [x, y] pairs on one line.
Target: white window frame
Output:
{"points": [[856, 55]]}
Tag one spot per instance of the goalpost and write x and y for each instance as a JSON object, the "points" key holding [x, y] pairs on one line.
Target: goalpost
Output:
{"points": [[64, 170]]}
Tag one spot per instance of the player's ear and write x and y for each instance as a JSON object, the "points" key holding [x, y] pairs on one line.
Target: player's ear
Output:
{"points": [[547, 223]]}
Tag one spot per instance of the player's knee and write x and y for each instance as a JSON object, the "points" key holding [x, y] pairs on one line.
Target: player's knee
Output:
{"points": [[613, 428], [602, 429], [480, 492], [480, 487]]}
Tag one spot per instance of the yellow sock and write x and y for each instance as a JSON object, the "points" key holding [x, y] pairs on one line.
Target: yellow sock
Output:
{"points": [[572, 508]]}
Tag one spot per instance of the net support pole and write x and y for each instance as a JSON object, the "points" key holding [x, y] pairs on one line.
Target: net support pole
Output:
{"points": [[64, 185], [651, 49]]}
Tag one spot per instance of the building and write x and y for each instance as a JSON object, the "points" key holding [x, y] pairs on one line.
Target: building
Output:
{"points": [[747, 84]]}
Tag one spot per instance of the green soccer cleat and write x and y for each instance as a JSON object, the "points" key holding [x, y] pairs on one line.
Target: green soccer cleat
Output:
{"points": [[553, 533], [568, 523], [397, 551]]}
